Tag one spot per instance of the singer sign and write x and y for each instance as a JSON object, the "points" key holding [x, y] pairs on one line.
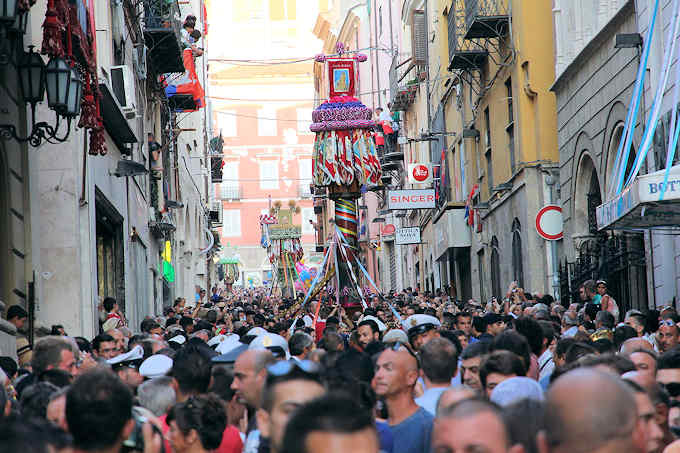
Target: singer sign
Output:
{"points": [[411, 199], [419, 173]]}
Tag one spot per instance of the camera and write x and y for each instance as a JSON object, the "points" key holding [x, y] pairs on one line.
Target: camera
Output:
{"points": [[136, 440]]}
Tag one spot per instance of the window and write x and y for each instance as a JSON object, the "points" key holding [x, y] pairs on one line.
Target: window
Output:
{"points": [[231, 223], [517, 266], [307, 215], [282, 9], [487, 128], [304, 120], [230, 187], [489, 170], [226, 123], [305, 177], [495, 269], [266, 122], [510, 128], [269, 174]]}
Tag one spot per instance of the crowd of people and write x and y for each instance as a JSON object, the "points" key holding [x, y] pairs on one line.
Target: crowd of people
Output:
{"points": [[413, 372]]}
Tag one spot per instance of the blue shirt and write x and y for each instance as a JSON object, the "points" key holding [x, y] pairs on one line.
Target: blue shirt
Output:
{"points": [[385, 437], [413, 434], [429, 399]]}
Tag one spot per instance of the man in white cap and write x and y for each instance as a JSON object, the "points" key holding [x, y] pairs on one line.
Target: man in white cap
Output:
{"points": [[126, 366], [272, 342], [157, 365], [421, 329]]}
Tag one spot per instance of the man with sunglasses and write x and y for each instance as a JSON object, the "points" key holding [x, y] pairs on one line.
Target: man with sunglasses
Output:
{"points": [[395, 377], [290, 384], [668, 335], [421, 329]]}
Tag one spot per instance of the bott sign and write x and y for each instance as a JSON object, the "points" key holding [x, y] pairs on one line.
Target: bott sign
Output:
{"points": [[411, 199], [549, 222], [419, 173], [409, 235]]}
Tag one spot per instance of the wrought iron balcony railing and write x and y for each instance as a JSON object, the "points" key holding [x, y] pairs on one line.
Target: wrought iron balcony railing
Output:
{"points": [[162, 35], [403, 82], [230, 192], [486, 18]]}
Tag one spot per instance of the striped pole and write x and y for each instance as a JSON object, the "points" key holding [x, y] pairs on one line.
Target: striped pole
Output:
{"points": [[347, 222]]}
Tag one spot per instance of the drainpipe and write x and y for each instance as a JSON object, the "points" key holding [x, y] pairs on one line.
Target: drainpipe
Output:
{"points": [[550, 181]]}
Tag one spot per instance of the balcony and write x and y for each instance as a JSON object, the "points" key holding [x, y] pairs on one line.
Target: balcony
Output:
{"points": [[403, 82], [230, 192], [162, 35], [486, 18], [464, 54]]}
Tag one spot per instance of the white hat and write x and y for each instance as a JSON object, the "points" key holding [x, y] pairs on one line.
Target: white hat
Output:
{"points": [[223, 342], [270, 341], [381, 325], [155, 366], [179, 339], [135, 354], [417, 324], [256, 331]]}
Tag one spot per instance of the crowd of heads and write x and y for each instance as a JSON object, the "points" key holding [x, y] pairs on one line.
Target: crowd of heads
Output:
{"points": [[410, 372]]}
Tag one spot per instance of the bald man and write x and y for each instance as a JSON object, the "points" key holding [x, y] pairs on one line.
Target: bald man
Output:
{"points": [[471, 425], [633, 344], [395, 377], [589, 411]]}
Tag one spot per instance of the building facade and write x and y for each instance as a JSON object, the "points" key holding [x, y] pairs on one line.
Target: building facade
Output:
{"points": [[89, 217]]}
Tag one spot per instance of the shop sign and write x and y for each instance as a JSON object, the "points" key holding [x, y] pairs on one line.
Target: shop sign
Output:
{"points": [[285, 231], [408, 235], [419, 173], [411, 199]]}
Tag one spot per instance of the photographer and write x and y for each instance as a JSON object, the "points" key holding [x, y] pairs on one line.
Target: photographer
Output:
{"points": [[99, 415]]}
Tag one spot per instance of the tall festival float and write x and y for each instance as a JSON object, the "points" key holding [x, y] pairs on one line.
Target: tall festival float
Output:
{"points": [[345, 165], [281, 238]]}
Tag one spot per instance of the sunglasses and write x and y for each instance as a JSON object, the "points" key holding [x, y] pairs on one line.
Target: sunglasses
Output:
{"points": [[285, 367], [399, 345], [666, 322]]}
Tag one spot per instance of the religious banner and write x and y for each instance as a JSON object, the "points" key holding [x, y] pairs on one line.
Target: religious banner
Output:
{"points": [[341, 76]]}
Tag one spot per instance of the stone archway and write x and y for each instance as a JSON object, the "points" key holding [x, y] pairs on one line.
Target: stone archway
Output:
{"points": [[587, 193]]}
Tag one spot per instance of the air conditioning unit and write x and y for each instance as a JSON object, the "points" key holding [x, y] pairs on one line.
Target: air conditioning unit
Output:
{"points": [[139, 61], [123, 85]]}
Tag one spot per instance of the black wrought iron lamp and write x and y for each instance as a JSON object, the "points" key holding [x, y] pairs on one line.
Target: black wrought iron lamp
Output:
{"points": [[60, 78], [64, 90]]}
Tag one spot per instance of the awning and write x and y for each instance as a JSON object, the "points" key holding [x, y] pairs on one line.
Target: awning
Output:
{"points": [[638, 207], [115, 122]]}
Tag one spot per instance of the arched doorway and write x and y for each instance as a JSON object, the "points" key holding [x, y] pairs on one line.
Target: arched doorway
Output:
{"points": [[495, 270], [614, 256], [517, 260]]}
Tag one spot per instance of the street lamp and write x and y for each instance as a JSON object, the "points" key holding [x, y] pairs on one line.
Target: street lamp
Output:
{"points": [[32, 77], [75, 92], [58, 77], [64, 91], [8, 11]]}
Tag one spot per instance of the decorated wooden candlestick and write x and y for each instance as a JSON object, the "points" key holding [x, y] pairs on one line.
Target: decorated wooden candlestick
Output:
{"points": [[345, 160]]}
